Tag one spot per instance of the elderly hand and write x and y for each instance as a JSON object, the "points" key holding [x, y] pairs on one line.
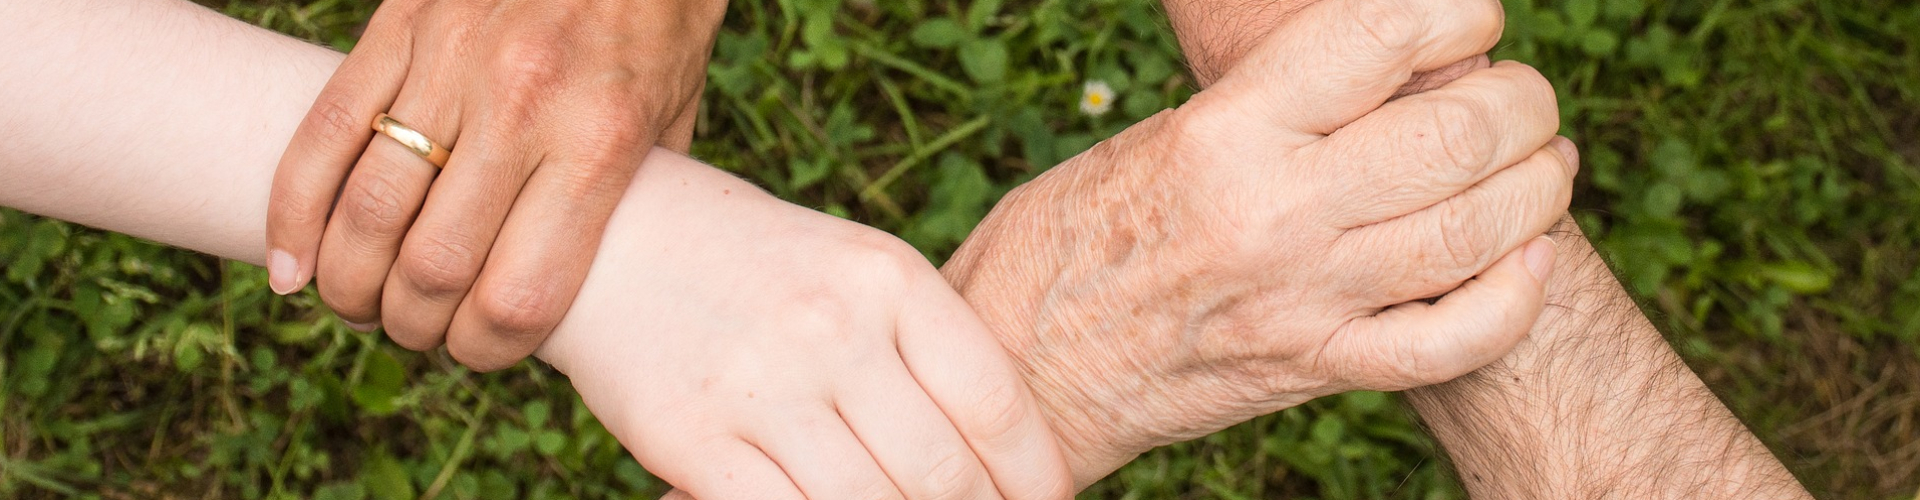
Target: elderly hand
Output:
{"points": [[548, 107], [1273, 240]]}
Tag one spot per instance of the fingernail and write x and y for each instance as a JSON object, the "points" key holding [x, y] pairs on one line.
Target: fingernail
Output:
{"points": [[1567, 150], [361, 327], [283, 273], [1539, 257]]}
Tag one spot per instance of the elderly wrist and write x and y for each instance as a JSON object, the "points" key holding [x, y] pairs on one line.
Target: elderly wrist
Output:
{"points": [[1215, 34]]}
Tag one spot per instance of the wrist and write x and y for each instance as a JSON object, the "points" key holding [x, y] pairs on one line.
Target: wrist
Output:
{"points": [[1215, 34]]}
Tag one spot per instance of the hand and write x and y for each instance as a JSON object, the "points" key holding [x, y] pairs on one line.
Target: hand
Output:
{"points": [[1271, 241], [548, 107], [744, 347]]}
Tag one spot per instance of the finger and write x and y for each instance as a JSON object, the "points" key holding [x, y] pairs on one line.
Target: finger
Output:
{"points": [[678, 137], [677, 495], [824, 458], [541, 256], [328, 142], [377, 206], [730, 468], [1429, 80], [446, 250], [914, 441], [960, 365], [1416, 344], [1457, 238], [1336, 61], [1414, 152]]}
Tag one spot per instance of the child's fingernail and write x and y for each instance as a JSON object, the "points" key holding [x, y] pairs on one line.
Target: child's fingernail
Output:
{"points": [[283, 273]]}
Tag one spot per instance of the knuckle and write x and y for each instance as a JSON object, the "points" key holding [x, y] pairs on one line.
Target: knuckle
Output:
{"points": [[1388, 26], [376, 207], [525, 66], [518, 306], [952, 476], [437, 267], [481, 355], [825, 317], [1451, 145], [414, 339], [1486, 19], [346, 296], [1461, 240], [999, 411], [882, 260], [296, 208], [333, 122], [1535, 84]]}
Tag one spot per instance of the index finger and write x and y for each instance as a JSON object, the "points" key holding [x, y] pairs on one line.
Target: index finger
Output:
{"points": [[1336, 61], [330, 139]]}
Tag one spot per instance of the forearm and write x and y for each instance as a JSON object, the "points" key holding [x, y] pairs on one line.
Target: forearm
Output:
{"points": [[1215, 34], [157, 118], [165, 120], [1595, 404]]}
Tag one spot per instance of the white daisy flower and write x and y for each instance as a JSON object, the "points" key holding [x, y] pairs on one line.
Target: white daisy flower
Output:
{"points": [[1097, 98]]}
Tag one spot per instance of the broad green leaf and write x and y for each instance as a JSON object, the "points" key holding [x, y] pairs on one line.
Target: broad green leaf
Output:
{"points": [[387, 479], [984, 59], [1582, 13], [380, 384], [939, 33]]}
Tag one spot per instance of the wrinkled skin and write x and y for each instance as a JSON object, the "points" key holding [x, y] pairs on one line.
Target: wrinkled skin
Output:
{"points": [[1272, 241], [548, 106]]}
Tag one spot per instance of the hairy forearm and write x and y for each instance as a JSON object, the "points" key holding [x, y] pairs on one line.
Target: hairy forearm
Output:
{"points": [[1595, 404], [1215, 34]]}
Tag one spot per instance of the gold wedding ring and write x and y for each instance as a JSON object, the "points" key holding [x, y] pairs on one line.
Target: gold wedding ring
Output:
{"points": [[412, 139]]}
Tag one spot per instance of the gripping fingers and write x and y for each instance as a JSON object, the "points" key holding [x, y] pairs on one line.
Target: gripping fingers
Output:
{"points": [[1457, 238], [539, 260], [382, 197], [731, 468], [912, 438], [445, 251], [1416, 344], [1417, 151], [824, 458], [327, 144], [957, 361], [1336, 61]]}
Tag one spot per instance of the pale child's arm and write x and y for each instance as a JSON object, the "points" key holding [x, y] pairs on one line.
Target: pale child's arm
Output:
{"points": [[164, 120]]}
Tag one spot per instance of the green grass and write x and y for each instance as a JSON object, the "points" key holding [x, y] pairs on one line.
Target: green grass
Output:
{"points": [[1750, 167]]}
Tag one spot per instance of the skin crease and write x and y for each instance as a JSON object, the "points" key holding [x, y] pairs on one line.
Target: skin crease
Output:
{"points": [[1592, 362], [219, 217], [1171, 310], [768, 364], [549, 107]]}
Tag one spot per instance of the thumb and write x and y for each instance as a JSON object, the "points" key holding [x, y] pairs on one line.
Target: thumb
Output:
{"points": [[1337, 61], [1417, 344]]}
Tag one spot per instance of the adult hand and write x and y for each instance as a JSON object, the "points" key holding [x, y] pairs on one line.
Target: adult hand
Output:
{"points": [[1272, 241], [548, 107], [744, 347]]}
